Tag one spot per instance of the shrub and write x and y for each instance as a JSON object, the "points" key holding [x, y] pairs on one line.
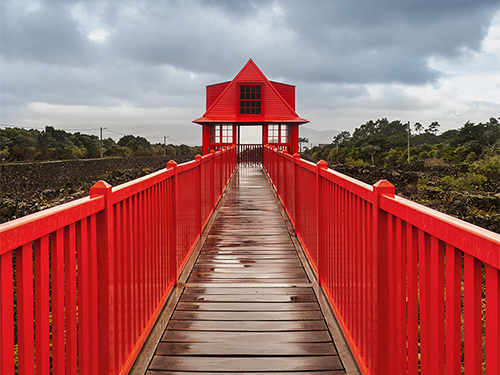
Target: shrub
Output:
{"points": [[424, 155], [466, 182], [490, 168]]}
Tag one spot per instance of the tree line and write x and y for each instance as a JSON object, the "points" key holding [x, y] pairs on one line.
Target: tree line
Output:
{"points": [[385, 143], [22, 145]]}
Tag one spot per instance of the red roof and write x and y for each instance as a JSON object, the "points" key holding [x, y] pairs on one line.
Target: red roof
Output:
{"points": [[278, 100]]}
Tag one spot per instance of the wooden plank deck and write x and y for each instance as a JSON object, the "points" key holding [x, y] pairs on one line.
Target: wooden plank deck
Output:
{"points": [[248, 305]]}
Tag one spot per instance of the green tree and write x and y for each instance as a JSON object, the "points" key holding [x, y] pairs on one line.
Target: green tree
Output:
{"points": [[303, 140], [371, 150]]}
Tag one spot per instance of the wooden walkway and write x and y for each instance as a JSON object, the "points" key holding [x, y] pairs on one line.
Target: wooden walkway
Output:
{"points": [[248, 305]]}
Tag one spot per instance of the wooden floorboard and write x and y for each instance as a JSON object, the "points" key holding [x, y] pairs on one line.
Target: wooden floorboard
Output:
{"points": [[248, 305], [248, 326]]}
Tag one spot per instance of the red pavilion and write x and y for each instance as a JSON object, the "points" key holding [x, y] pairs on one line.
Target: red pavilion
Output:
{"points": [[250, 99]]}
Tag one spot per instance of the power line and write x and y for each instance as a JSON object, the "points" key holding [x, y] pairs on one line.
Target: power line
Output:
{"points": [[111, 131]]}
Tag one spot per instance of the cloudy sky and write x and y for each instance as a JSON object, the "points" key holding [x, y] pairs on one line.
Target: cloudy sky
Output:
{"points": [[141, 67]]}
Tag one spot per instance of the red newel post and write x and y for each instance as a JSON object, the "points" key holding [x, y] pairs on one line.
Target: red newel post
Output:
{"points": [[321, 221], [383, 356], [173, 222], [105, 280]]}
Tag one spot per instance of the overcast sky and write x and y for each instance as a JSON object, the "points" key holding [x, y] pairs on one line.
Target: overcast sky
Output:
{"points": [[141, 67]]}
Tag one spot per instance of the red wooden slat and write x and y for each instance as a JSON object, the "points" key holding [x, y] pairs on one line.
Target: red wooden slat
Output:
{"points": [[93, 299], [400, 351], [42, 306], [6, 315], [472, 315], [392, 329], [119, 275], [492, 320], [58, 317], [84, 290], [412, 295], [70, 300], [25, 331], [453, 312], [437, 305], [425, 294]]}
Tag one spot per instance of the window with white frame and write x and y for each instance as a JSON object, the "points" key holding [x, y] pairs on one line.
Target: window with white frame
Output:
{"points": [[278, 133], [221, 133]]}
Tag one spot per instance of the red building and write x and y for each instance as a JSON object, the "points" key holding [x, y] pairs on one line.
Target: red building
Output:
{"points": [[250, 99]]}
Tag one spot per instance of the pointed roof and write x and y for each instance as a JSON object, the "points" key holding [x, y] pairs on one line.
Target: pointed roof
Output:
{"points": [[223, 105]]}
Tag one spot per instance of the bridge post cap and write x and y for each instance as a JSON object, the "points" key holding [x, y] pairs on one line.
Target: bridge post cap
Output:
{"points": [[99, 188], [212, 151], [296, 155], [384, 187], [322, 164], [197, 157], [171, 164]]}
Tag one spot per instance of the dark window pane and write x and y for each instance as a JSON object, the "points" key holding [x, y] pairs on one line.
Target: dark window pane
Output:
{"points": [[257, 111], [258, 88]]}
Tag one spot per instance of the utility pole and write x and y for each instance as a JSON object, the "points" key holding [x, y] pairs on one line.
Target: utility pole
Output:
{"points": [[100, 137], [164, 145], [409, 130]]}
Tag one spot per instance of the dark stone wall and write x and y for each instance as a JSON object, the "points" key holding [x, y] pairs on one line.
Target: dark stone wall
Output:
{"points": [[22, 181]]}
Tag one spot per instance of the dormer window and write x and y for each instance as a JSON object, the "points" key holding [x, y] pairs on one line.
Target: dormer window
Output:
{"points": [[250, 100]]}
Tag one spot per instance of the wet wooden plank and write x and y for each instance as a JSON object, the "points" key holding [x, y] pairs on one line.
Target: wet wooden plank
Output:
{"points": [[247, 306], [247, 261], [235, 364], [246, 281], [248, 290], [333, 372], [245, 348], [249, 298], [248, 258], [248, 266], [248, 325], [195, 277], [229, 337], [247, 315]]}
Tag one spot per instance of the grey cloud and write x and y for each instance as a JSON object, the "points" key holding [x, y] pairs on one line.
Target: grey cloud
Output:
{"points": [[47, 34]]}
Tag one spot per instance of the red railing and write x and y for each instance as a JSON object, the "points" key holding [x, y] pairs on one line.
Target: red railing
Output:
{"points": [[83, 283], [414, 290]]}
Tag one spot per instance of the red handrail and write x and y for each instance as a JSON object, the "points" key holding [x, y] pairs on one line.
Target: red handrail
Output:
{"points": [[104, 267], [404, 281]]}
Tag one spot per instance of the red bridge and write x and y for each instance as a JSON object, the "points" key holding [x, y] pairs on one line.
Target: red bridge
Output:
{"points": [[220, 281]]}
